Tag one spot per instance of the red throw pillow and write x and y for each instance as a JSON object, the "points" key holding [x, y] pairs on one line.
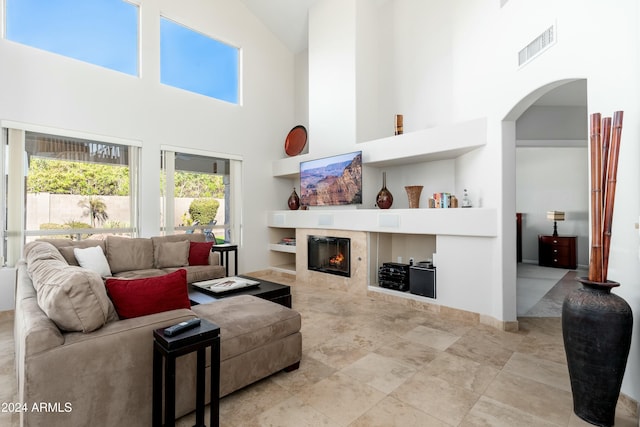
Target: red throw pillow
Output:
{"points": [[139, 297], [199, 253]]}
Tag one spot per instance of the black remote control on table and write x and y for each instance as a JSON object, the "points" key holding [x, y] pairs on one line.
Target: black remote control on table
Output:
{"points": [[181, 327]]}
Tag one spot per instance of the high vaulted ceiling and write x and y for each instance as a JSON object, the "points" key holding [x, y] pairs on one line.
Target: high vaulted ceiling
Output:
{"points": [[287, 19]]}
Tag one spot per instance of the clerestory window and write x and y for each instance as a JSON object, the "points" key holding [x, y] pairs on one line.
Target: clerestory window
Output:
{"points": [[195, 62], [100, 32]]}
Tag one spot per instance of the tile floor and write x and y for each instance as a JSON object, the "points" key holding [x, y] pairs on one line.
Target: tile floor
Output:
{"points": [[369, 363], [532, 284]]}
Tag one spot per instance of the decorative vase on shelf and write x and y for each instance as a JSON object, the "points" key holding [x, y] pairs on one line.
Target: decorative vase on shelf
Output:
{"points": [[384, 199], [294, 200], [413, 192], [399, 122], [596, 328]]}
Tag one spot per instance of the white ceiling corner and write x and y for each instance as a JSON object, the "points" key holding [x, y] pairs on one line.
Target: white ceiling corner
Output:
{"points": [[287, 19]]}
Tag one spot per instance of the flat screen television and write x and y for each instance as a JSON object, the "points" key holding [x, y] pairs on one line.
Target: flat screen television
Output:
{"points": [[332, 181]]}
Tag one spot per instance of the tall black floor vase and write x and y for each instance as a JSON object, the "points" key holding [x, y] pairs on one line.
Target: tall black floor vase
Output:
{"points": [[596, 327]]}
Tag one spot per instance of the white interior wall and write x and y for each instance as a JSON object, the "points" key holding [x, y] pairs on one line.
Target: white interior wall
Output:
{"points": [[420, 63], [476, 77], [367, 72], [50, 90], [578, 54], [553, 122], [553, 179], [548, 174], [301, 94], [332, 73], [484, 80]]}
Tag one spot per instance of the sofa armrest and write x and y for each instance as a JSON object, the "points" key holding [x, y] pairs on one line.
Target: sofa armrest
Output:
{"points": [[115, 365], [37, 331], [147, 323], [214, 258]]}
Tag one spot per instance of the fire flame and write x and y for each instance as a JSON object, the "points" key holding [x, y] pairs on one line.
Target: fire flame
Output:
{"points": [[336, 259]]}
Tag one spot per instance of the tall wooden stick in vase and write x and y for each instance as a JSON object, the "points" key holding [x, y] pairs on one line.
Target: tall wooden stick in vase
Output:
{"points": [[610, 192], [606, 141], [595, 261]]}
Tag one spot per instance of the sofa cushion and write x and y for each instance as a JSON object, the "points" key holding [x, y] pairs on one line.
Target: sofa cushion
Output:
{"points": [[127, 254], [172, 254], [39, 251], [66, 247], [199, 253], [69, 255], [140, 297], [199, 273], [74, 298], [93, 259], [140, 274]]}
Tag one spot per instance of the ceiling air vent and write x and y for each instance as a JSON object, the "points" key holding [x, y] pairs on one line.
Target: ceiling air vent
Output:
{"points": [[537, 46]]}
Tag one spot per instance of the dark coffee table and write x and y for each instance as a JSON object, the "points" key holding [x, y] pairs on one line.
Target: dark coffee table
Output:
{"points": [[271, 291]]}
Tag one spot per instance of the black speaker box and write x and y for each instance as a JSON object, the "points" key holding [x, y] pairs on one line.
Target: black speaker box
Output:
{"points": [[422, 281]]}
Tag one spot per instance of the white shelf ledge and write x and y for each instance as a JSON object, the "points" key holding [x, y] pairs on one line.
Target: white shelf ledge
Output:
{"points": [[438, 143], [479, 222], [291, 249]]}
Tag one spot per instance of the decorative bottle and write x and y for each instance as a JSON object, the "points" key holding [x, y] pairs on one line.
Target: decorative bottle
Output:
{"points": [[294, 200], [466, 201], [384, 199]]}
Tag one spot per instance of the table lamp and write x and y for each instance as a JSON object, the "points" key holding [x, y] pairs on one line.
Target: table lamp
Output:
{"points": [[555, 216]]}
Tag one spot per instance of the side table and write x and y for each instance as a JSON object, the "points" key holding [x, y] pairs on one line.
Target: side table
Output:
{"points": [[557, 251], [207, 334], [224, 250]]}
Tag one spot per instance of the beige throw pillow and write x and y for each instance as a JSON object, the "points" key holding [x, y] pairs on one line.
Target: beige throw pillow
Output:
{"points": [[74, 298], [129, 254], [173, 254]]}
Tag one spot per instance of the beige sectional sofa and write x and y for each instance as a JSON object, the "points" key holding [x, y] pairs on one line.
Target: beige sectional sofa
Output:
{"points": [[142, 257], [88, 367]]}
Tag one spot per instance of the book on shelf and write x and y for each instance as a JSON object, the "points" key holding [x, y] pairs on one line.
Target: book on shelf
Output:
{"points": [[442, 200]]}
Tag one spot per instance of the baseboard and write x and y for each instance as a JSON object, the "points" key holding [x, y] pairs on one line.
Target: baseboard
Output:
{"points": [[6, 315], [503, 325]]}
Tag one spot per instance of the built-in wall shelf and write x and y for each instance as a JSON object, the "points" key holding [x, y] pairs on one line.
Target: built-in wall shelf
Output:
{"points": [[282, 258], [278, 247], [478, 222], [437, 143]]}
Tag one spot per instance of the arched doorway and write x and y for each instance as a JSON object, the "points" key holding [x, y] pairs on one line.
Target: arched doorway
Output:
{"points": [[545, 154]]}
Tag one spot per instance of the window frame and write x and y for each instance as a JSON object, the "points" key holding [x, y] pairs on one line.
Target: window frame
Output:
{"points": [[233, 230], [14, 232]]}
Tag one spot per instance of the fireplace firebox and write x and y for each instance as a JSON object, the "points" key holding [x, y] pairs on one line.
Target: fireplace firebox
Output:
{"points": [[329, 255]]}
